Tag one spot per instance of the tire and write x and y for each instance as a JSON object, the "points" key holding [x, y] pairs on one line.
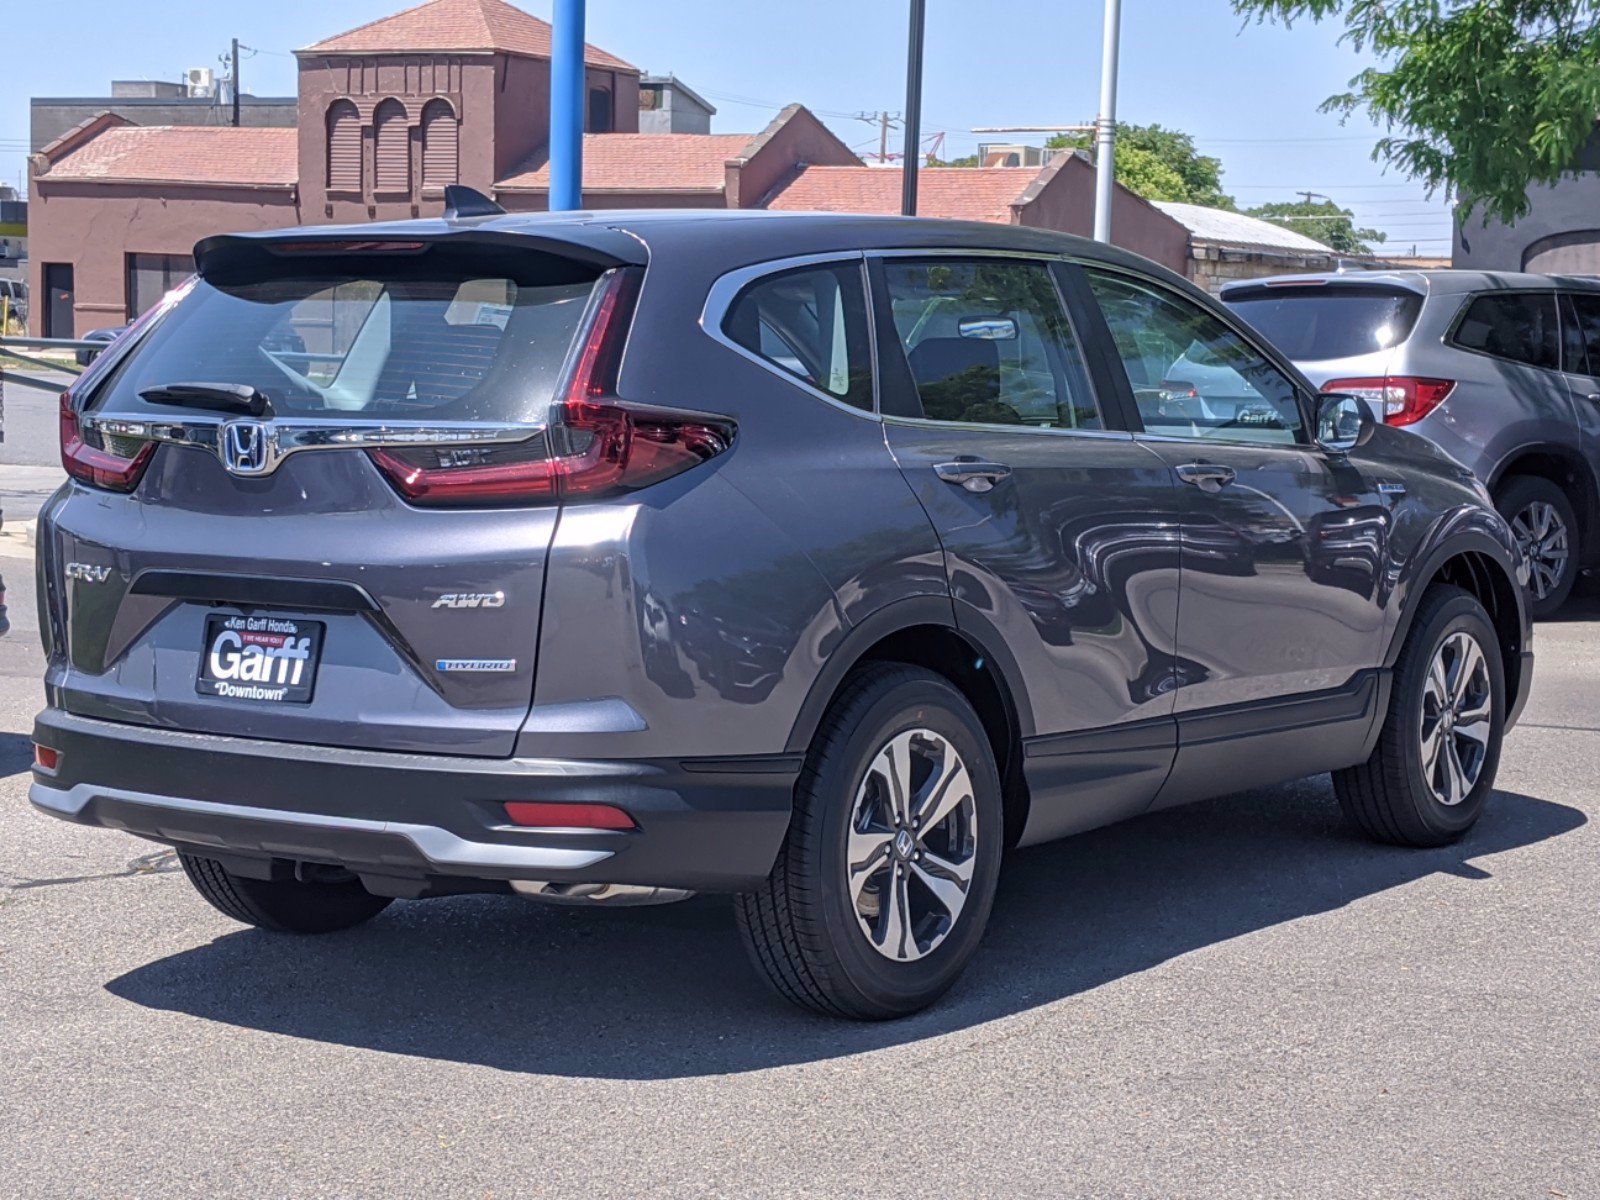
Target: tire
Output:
{"points": [[1394, 797], [282, 905], [813, 935], [1547, 529]]}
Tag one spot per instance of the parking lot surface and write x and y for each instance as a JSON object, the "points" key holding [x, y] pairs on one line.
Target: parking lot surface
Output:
{"points": [[1235, 999]]}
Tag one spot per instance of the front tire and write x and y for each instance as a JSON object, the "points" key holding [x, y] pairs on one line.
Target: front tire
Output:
{"points": [[282, 905], [1546, 527], [885, 880], [1435, 761]]}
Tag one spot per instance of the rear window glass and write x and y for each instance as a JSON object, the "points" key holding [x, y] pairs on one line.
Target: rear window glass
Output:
{"points": [[1310, 324], [460, 342], [1521, 327]]}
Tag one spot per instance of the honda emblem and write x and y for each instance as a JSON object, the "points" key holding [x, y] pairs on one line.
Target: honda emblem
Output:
{"points": [[244, 448]]}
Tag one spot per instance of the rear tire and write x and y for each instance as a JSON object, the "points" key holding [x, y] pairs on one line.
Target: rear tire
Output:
{"points": [[1434, 765], [282, 905], [881, 893], [1546, 528]]}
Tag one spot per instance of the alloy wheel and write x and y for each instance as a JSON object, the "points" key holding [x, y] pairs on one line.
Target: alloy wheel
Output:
{"points": [[1542, 534], [1457, 707], [913, 845]]}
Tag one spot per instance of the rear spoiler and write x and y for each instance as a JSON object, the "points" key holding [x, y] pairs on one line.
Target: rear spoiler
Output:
{"points": [[579, 241]]}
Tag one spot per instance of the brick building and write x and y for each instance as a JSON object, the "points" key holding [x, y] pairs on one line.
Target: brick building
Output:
{"points": [[459, 91]]}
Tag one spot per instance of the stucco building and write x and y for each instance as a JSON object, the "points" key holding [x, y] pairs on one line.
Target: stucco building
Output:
{"points": [[459, 91], [1560, 235]]}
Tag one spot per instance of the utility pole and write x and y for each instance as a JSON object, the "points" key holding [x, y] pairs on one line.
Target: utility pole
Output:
{"points": [[233, 77], [885, 122], [1106, 133], [913, 142]]}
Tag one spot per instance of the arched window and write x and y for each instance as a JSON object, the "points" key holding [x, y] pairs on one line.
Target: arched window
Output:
{"points": [[441, 137], [392, 158], [344, 147]]}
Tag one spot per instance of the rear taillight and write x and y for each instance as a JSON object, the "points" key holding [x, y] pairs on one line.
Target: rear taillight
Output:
{"points": [[46, 758], [115, 467], [595, 445], [1398, 399]]}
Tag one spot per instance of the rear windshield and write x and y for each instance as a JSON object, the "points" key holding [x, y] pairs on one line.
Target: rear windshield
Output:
{"points": [[415, 339], [1313, 323]]}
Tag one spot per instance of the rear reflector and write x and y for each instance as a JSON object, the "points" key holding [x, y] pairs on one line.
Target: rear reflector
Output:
{"points": [[1397, 399], [537, 814], [94, 465], [45, 758]]}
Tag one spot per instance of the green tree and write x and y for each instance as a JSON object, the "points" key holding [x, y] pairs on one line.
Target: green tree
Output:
{"points": [[1480, 98], [1159, 164], [1323, 221]]}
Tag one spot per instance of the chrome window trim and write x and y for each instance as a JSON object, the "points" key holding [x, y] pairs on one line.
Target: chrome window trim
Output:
{"points": [[1045, 261], [1117, 435], [725, 290], [286, 436], [1239, 330]]}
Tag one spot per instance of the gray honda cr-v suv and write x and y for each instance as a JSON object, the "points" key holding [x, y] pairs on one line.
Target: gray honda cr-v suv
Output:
{"points": [[809, 558], [1500, 370]]}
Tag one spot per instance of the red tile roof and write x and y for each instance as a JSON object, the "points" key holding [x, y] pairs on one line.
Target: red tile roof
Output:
{"points": [[440, 26], [953, 193], [184, 154], [642, 162]]}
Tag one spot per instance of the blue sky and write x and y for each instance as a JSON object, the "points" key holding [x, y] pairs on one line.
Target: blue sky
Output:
{"points": [[1248, 94]]}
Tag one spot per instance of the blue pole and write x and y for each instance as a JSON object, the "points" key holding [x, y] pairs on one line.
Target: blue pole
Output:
{"points": [[566, 106]]}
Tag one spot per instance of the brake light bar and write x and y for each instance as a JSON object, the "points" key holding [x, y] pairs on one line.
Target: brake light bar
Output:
{"points": [[368, 246], [1398, 399]]}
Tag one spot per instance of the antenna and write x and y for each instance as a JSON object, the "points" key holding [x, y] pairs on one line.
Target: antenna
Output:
{"points": [[461, 202]]}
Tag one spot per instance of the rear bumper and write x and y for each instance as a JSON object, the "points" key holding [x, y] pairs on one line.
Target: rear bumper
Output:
{"points": [[409, 824]]}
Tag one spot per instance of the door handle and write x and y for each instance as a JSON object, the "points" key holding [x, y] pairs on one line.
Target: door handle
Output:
{"points": [[1208, 477], [977, 477], [1593, 397]]}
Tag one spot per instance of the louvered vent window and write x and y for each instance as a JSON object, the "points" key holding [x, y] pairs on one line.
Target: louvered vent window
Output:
{"points": [[393, 154], [344, 147], [440, 144]]}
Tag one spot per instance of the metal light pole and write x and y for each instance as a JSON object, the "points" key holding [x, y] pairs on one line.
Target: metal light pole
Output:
{"points": [[913, 154], [1106, 126], [566, 105]]}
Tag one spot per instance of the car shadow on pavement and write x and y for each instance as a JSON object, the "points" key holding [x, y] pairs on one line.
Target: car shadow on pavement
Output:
{"points": [[16, 754], [666, 992]]}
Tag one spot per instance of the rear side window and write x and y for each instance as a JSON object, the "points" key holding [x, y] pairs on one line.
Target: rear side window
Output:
{"points": [[811, 323], [988, 343], [451, 339], [1520, 327], [1309, 324]]}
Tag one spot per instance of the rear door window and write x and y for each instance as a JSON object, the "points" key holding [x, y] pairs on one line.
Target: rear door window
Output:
{"points": [[810, 323], [988, 343], [452, 340], [1586, 306], [1310, 324], [1520, 327]]}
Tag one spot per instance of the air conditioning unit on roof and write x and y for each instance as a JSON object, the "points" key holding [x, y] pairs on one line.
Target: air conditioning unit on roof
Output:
{"points": [[201, 81]]}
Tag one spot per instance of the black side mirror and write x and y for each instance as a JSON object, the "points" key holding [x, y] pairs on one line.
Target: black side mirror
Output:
{"points": [[1342, 421]]}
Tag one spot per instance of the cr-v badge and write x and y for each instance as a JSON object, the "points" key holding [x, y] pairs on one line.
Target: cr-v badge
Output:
{"points": [[88, 572]]}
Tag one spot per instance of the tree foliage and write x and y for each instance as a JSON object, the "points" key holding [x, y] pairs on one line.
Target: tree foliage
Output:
{"points": [[1160, 164], [1479, 98], [1321, 220]]}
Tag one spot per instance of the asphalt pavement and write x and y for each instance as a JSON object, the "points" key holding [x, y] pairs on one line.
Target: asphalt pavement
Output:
{"points": [[1236, 999]]}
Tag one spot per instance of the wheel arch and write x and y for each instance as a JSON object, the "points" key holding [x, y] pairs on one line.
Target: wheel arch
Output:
{"points": [[923, 632], [1481, 565], [1568, 470]]}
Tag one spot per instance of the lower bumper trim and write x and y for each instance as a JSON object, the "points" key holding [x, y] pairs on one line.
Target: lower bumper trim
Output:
{"points": [[437, 848]]}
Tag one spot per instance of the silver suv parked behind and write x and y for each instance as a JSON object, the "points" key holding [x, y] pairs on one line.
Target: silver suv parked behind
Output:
{"points": [[1500, 370]]}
